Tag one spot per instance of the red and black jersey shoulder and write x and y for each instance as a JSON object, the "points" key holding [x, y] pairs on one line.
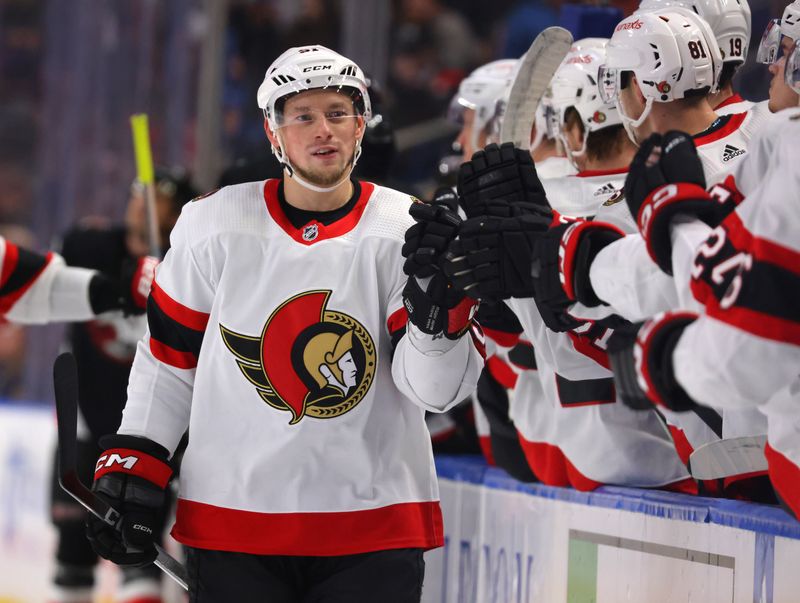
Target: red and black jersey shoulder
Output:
{"points": [[176, 331], [19, 271], [749, 282]]}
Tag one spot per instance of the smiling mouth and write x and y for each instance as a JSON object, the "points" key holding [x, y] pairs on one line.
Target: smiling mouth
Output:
{"points": [[324, 152]]}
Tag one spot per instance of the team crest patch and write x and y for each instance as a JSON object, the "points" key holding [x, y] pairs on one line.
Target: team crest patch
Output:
{"points": [[308, 361], [615, 198]]}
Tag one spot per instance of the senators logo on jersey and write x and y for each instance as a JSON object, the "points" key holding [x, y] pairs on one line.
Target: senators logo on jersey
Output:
{"points": [[308, 361]]}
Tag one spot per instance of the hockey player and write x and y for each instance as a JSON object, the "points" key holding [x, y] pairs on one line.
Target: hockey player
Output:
{"points": [[39, 289], [104, 349], [284, 335], [591, 132], [506, 204], [479, 106], [776, 44], [730, 22], [743, 349]]}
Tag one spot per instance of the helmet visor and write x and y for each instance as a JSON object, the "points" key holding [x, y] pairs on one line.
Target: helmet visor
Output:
{"points": [[769, 49], [792, 69], [608, 84], [305, 117]]}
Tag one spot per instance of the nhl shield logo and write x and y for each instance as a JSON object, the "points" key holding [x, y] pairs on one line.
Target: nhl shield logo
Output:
{"points": [[308, 361], [310, 232]]}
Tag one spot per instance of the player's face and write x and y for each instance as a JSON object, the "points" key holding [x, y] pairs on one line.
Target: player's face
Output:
{"points": [[781, 96], [319, 132], [464, 139]]}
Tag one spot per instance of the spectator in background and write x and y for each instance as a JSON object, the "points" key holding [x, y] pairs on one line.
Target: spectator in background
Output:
{"points": [[433, 48], [317, 23], [524, 23], [454, 42]]}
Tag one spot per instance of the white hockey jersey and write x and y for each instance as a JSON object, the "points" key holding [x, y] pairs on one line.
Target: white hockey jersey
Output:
{"points": [[734, 104], [578, 434], [583, 193], [623, 275], [747, 276], [744, 349], [272, 345], [554, 167], [37, 289]]}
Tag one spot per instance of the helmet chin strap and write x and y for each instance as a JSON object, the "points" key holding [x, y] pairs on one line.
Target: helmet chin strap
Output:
{"points": [[629, 124], [571, 155], [283, 159]]}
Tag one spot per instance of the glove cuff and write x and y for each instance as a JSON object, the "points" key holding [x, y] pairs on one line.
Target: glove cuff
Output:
{"points": [[136, 456], [661, 206], [655, 343], [580, 243]]}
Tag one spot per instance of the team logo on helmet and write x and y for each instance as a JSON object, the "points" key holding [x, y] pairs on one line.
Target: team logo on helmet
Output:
{"points": [[663, 87], [598, 117], [308, 361]]}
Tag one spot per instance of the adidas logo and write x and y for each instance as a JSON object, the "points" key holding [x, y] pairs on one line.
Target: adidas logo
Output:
{"points": [[606, 189], [730, 151]]}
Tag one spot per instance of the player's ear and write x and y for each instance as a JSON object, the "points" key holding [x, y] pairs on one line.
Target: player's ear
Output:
{"points": [[270, 134], [361, 125], [637, 90]]}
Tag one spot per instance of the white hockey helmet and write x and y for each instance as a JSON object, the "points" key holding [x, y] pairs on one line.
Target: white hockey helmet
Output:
{"points": [[540, 120], [485, 91], [574, 85], [305, 68], [672, 52], [728, 19], [792, 70], [769, 50]]}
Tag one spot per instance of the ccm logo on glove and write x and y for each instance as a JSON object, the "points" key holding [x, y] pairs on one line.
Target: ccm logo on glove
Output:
{"points": [[107, 460]]}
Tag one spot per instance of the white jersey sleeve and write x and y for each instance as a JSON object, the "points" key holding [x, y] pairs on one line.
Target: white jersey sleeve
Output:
{"points": [[746, 345], [38, 289], [162, 377]]}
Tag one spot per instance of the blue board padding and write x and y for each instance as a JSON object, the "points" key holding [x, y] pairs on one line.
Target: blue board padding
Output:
{"points": [[764, 519]]}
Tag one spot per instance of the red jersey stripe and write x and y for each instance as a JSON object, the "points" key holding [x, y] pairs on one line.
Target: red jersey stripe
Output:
{"points": [[404, 525], [171, 356], [10, 259], [501, 338], [731, 126], [192, 319]]}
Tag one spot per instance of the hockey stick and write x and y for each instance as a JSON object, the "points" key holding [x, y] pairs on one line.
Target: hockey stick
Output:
{"points": [[65, 382], [729, 457], [536, 69], [140, 130]]}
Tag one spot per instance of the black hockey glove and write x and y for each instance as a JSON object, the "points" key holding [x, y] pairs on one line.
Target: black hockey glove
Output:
{"points": [[427, 241], [131, 475], [563, 257], [436, 308], [129, 293], [493, 257], [501, 181], [666, 179], [641, 358]]}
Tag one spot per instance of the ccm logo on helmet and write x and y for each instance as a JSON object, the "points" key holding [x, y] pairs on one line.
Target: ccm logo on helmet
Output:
{"points": [[316, 68], [633, 25], [107, 460]]}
